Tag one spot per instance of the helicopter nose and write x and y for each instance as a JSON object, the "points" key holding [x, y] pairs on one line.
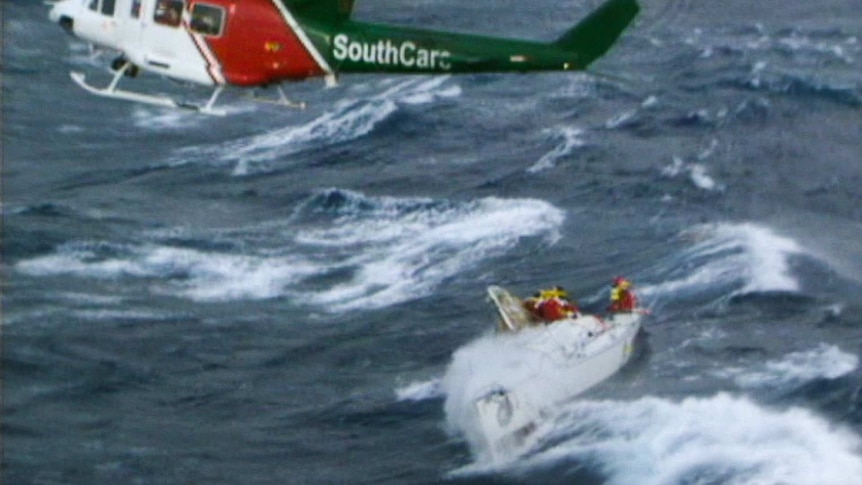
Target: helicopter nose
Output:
{"points": [[67, 23], [60, 13]]}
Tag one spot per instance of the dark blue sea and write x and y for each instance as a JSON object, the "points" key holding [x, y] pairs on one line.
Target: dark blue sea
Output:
{"points": [[283, 296]]}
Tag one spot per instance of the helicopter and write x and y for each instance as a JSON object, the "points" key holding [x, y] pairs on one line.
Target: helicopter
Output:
{"points": [[260, 43]]}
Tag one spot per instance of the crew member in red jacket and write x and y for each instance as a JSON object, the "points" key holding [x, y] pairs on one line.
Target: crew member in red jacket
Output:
{"points": [[622, 298], [553, 304]]}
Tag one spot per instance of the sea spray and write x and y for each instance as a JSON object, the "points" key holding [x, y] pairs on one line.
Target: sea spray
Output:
{"points": [[718, 439]]}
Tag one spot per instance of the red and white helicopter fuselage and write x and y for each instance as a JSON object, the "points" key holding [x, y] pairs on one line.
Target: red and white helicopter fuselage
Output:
{"points": [[251, 43], [242, 43]]}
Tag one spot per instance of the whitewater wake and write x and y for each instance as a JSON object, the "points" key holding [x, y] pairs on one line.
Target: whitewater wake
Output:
{"points": [[724, 438]]}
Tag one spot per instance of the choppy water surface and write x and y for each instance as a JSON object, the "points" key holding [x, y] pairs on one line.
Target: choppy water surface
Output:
{"points": [[286, 296]]}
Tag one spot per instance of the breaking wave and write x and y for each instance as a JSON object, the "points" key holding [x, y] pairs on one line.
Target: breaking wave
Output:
{"points": [[652, 440], [795, 369], [719, 439], [790, 53], [395, 249], [488, 363], [734, 258], [194, 273], [347, 250], [572, 139], [348, 120]]}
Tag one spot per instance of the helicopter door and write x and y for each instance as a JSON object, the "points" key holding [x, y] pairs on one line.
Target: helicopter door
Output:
{"points": [[100, 23], [162, 31], [166, 46]]}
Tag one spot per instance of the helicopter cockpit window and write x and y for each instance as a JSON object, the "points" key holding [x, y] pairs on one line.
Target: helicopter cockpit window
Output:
{"points": [[207, 19], [168, 12]]}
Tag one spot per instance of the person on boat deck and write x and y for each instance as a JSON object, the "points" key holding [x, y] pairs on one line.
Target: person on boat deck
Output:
{"points": [[622, 298], [551, 305]]}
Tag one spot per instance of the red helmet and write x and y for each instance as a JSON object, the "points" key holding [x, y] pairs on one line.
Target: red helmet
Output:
{"points": [[621, 282]]}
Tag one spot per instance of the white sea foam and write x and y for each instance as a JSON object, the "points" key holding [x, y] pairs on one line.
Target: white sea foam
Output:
{"points": [[719, 439], [398, 255], [144, 316], [70, 129], [797, 368], [697, 173], [154, 118], [90, 299], [420, 391], [701, 178], [845, 49], [485, 364], [397, 249], [790, 43], [571, 139], [709, 150], [384, 251], [160, 119], [650, 101], [348, 119], [674, 168], [620, 119], [491, 362], [199, 275]]}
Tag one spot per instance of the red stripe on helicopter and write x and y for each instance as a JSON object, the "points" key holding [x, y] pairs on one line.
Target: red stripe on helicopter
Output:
{"points": [[213, 66], [262, 44]]}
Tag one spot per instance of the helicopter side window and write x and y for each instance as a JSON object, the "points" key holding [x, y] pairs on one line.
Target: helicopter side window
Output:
{"points": [[106, 7], [136, 9], [168, 12], [207, 19]]}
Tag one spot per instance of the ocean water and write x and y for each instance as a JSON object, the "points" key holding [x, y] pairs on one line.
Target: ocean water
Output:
{"points": [[285, 296]]}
